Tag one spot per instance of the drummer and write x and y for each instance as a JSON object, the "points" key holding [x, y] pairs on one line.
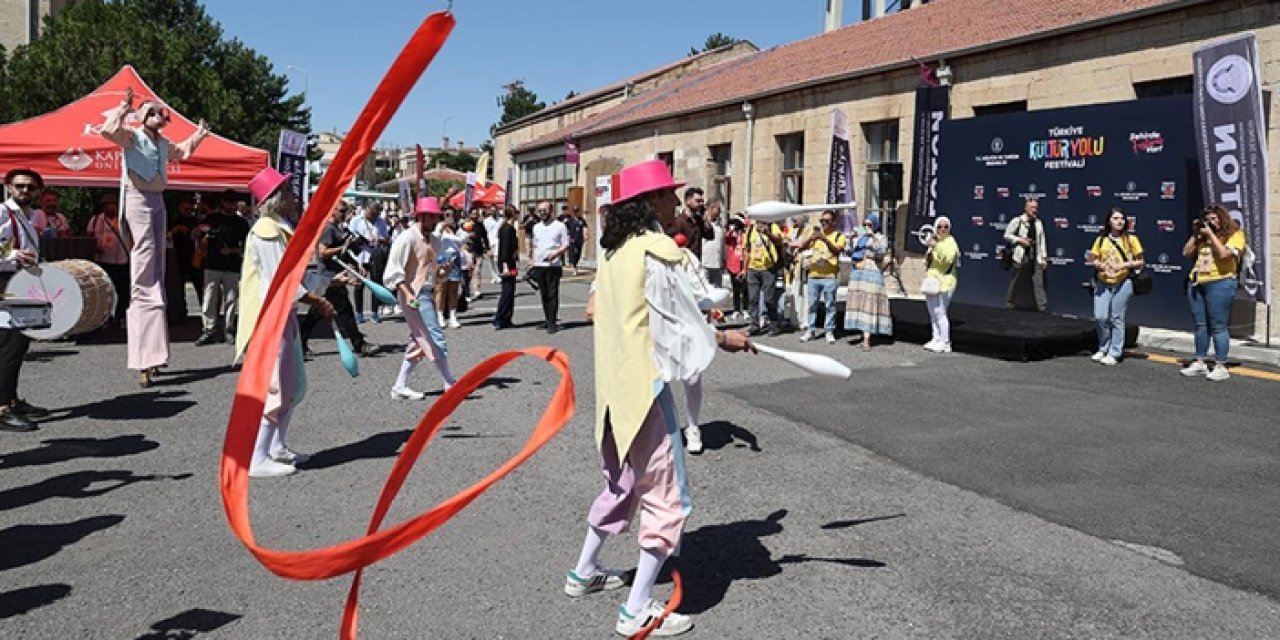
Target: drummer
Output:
{"points": [[19, 249]]}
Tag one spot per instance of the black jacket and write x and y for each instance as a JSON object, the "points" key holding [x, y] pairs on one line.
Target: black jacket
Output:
{"points": [[508, 249]]}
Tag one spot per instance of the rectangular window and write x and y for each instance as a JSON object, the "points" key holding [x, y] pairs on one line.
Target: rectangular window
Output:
{"points": [[791, 183], [668, 158], [1017, 106], [882, 147], [722, 181], [545, 180], [1180, 86]]}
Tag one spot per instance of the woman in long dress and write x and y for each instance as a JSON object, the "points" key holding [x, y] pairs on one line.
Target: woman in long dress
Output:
{"points": [[867, 301]]}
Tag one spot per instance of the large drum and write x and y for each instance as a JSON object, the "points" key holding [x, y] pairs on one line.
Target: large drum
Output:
{"points": [[79, 291]]}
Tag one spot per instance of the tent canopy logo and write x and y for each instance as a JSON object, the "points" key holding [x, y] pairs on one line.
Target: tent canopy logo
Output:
{"points": [[1229, 79]]}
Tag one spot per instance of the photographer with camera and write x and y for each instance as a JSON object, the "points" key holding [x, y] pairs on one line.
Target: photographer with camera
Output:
{"points": [[1116, 254], [335, 240], [221, 236], [1216, 245]]}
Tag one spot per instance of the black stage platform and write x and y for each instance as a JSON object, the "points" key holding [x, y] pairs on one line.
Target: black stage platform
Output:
{"points": [[1002, 333]]}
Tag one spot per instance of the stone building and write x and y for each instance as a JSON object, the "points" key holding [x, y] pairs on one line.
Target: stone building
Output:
{"points": [[22, 20], [758, 126]]}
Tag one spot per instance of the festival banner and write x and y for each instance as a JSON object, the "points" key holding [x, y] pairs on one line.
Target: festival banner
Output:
{"points": [[1232, 147], [604, 197], [506, 196], [840, 175], [422, 171], [291, 159], [470, 191], [933, 107], [406, 199], [1077, 163]]}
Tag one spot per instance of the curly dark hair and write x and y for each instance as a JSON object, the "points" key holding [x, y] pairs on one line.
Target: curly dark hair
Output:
{"points": [[626, 219]]}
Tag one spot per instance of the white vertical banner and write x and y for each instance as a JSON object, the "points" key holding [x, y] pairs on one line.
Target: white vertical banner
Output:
{"points": [[604, 197]]}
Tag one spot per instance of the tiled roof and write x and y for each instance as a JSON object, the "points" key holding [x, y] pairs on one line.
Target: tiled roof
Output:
{"points": [[940, 29], [616, 87]]}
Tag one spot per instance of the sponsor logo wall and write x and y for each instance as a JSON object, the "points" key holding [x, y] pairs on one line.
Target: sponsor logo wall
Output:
{"points": [[1077, 163]]}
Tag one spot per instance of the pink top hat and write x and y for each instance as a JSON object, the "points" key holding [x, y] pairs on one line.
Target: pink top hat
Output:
{"points": [[266, 183], [427, 205], [645, 177]]}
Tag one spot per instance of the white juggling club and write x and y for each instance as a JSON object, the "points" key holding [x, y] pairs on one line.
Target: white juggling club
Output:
{"points": [[811, 362], [773, 210]]}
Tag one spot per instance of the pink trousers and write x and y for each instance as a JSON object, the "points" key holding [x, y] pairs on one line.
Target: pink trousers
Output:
{"points": [[148, 332]]}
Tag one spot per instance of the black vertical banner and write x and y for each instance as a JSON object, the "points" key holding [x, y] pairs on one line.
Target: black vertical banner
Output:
{"points": [[292, 160], [933, 107], [1232, 147]]}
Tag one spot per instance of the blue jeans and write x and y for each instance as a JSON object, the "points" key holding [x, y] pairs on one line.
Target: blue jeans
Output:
{"points": [[1211, 311], [1110, 303], [427, 309], [826, 287]]}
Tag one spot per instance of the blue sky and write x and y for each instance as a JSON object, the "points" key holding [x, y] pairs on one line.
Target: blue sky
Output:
{"points": [[553, 45]]}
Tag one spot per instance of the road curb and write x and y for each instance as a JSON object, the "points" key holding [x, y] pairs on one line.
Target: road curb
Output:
{"points": [[1183, 342]]}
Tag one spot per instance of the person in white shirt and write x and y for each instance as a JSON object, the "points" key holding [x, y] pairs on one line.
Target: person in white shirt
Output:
{"points": [[493, 224], [550, 243], [713, 246], [370, 227], [411, 273], [19, 249], [111, 252], [447, 239]]}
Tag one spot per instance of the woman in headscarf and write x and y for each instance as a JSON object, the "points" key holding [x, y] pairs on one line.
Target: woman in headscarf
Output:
{"points": [[866, 301]]}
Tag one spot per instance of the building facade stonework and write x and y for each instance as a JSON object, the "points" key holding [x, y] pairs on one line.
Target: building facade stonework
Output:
{"points": [[1115, 61]]}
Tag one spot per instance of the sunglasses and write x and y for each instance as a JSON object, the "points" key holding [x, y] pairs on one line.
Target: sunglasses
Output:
{"points": [[24, 186], [828, 221]]}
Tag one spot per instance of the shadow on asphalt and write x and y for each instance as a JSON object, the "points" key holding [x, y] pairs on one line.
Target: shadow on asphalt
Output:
{"points": [[75, 485], [26, 544], [713, 557], [189, 624], [64, 449], [20, 601], [46, 355], [187, 376], [146, 405], [377, 446], [720, 434], [846, 524]]}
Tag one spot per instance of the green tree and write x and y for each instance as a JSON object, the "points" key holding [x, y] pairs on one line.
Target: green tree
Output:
{"points": [[456, 160], [714, 41], [175, 46], [517, 103]]}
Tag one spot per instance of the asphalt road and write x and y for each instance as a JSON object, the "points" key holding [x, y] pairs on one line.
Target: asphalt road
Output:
{"points": [[929, 497]]}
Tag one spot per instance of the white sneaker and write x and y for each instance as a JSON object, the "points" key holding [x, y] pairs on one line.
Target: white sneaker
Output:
{"points": [[453, 323], [1196, 368], [1097, 357], [806, 336], [1219, 373], [674, 625], [405, 393], [939, 347], [289, 456], [271, 469], [693, 439], [831, 337], [928, 346], [600, 580], [440, 319], [1108, 361]]}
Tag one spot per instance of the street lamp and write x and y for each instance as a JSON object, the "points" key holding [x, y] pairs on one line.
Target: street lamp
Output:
{"points": [[444, 134], [306, 79]]}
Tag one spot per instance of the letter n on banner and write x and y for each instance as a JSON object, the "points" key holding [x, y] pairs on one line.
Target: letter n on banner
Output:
{"points": [[840, 178], [1231, 142], [933, 107]]}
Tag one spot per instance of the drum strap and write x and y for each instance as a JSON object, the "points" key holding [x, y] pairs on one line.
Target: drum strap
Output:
{"points": [[115, 229]]}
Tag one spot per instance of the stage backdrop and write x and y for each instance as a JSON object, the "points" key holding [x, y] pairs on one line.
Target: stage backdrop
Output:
{"points": [[1078, 162]]}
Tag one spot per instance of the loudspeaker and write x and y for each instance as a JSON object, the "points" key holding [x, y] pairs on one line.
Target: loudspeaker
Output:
{"points": [[890, 174]]}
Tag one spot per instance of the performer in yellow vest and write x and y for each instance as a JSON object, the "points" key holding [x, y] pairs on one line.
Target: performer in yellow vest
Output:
{"points": [[649, 332], [264, 248]]}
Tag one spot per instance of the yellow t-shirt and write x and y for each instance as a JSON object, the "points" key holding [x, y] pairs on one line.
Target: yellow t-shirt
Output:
{"points": [[762, 254], [823, 263], [1209, 268], [1106, 255]]}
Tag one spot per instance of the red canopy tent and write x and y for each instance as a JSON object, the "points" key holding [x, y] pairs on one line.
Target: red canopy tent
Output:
{"points": [[66, 148], [491, 194]]}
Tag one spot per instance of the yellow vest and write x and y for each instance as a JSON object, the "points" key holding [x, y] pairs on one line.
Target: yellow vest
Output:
{"points": [[627, 380], [251, 297]]}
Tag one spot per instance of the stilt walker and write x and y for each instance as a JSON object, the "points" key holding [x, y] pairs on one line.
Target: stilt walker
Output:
{"points": [[413, 274], [649, 332], [145, 174], [264, 248]]}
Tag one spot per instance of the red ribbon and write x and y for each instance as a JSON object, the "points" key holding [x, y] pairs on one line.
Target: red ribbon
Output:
{"points": [[251, 388]]}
